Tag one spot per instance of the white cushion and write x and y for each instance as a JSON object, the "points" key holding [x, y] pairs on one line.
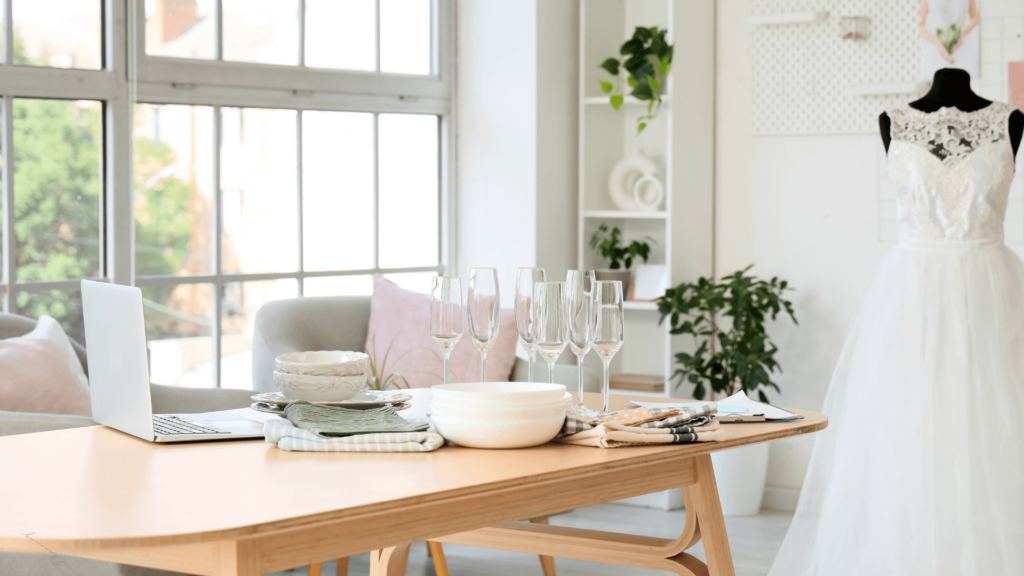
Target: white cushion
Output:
{"points": [[39, 372]]}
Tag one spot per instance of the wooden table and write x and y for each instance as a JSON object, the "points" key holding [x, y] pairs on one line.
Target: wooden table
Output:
{"points": [[245, 508]]}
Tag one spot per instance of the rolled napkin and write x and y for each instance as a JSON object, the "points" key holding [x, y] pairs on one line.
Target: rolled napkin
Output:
{"points": [[637, 428], [289, 437], [332, 421]]}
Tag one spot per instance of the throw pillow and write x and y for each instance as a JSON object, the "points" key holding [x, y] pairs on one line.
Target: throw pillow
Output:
{"points": [[400, 329], [41, 373]]}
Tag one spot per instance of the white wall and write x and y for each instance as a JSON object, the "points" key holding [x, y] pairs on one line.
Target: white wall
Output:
{"points": [[517, 131], [805, 208]]}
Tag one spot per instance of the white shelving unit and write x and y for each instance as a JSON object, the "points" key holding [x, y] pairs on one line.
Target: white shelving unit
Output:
{"points": [[605, 137]]}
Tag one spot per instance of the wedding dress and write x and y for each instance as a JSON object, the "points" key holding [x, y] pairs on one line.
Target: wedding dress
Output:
{"points": [[921, 469]]}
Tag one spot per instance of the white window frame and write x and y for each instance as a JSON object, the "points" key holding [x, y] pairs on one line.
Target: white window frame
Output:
{"points": [[128, 77]]}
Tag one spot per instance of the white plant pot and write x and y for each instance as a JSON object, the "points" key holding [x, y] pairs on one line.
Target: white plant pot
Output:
{"points": [[740, 474]]}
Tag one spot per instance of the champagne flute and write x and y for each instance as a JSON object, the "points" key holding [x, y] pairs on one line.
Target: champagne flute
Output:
{"points": [[484, 308], [579, 299], [446, 315], [549, 320], [608, 321], [525, 279]]}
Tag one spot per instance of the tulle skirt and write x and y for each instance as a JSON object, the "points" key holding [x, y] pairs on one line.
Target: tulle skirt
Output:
{"points": [[921, 470]]}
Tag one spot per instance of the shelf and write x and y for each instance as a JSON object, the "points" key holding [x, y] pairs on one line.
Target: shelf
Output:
{"points": [[660, 215], [894, 88], [631, 305], [627, 100]]}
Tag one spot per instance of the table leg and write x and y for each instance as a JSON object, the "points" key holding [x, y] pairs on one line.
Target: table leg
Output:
{"points": [[547, 563], [389, 561], [236, 558], [703, 521], [342, 567]]}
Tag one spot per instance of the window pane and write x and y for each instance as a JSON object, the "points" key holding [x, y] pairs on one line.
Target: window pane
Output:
{"points": [[338, 286], [264, 31], [405, 36], [238, 312], [57, 188], [181, 28], [173, 189], [178, 329], [340, 34], [58, 33], [259, 197], [408, 190], [337, 191], [415, 281], [64, 305]]}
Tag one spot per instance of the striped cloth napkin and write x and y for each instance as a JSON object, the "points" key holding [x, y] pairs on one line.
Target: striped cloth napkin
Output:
{"points": [[289, 437], [643, 426]]}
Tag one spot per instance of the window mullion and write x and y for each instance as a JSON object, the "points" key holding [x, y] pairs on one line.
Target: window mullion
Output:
{"points": [[10, 274], [8, 32], [218, 288], [376, 35], [298, 179], [218, 48], [376, 193], [302, 40]]}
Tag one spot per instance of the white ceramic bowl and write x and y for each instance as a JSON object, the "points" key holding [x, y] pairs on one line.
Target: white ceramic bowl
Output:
{"points": [[494, 414], [319, 388], [501, 434], [502, 392], [323, 363]]}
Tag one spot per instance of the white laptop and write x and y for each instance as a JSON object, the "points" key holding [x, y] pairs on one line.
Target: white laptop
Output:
{"points": [[115, 336]]}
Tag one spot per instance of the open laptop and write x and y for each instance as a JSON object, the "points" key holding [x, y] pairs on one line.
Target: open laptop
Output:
{"points": [[115, 334]]}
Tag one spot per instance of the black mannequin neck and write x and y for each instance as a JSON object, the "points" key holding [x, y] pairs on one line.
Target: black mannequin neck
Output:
{"points": [[950, 87]]}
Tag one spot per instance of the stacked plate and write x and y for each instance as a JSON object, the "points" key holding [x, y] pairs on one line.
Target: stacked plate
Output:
{"points": [[275, 402], [498, 414], [325, 376]]}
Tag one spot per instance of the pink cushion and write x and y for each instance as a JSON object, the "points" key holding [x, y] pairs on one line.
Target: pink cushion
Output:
{"points": [[41, 373], [400, 319]]}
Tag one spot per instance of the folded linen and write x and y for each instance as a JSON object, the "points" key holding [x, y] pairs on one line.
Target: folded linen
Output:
{"points": [[632, 428], [331, 421], [291, 438]]}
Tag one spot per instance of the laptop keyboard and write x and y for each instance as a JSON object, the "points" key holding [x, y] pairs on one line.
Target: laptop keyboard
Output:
{"points": [[172, 425]]}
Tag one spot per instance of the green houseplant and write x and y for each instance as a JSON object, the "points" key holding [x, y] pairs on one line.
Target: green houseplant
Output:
{"points": [[608, 245], [647, 60], [727, 322]]}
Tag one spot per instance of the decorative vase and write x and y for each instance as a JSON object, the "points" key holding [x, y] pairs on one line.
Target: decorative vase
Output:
{"points": [[623, 276], [740, 474], [633, 183]]}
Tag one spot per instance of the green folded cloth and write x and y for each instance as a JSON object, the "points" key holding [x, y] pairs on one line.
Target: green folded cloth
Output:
{"points": [[333, 421]]}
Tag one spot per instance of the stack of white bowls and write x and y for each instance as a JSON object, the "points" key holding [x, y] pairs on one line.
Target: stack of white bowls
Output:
{"points": [[498, 414], [323, 376]]}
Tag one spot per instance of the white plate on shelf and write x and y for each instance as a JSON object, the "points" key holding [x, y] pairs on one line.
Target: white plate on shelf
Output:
{"points": [[277, 408], [363, 399]]}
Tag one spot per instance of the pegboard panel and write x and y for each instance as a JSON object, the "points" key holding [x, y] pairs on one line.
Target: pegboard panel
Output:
{"points": [[801, 72]]}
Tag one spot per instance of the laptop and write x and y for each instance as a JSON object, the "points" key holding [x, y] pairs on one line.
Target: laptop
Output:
{"points": [[115, 334]]}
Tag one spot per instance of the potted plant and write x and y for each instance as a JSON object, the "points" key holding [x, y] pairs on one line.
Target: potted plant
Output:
{"points": [[608, 245], [732, 352], [647, 60]]}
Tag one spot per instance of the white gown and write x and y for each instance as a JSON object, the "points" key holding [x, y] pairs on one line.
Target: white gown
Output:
{"points": [[921, 469]]}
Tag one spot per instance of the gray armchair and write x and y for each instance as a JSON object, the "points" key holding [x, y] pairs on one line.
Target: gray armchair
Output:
{"points": [[341, 323], [166, 400]]}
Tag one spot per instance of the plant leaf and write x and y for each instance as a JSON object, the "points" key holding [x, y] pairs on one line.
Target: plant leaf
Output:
{"points": [[616, 102], [640, 128], [607, 87], [611, 65]]}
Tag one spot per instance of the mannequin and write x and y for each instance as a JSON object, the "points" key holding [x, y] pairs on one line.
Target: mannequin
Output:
{"points": [[952, 87]]}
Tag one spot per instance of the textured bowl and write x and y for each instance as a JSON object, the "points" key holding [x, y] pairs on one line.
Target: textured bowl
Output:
{"points": [[319, 388], [503, 434], [471, 413], [323, 363], [503, 392]]}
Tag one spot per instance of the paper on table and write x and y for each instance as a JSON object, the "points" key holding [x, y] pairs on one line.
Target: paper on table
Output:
{"points": [[739, 401]]}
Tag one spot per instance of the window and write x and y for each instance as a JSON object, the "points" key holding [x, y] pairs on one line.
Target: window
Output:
{"points": [[255, 150]]}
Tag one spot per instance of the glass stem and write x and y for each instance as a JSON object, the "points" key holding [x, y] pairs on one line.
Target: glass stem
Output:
{"points": [[483, 365], [579, 389], [529, 376], [607, 383], [447, 353], [551, 372]]}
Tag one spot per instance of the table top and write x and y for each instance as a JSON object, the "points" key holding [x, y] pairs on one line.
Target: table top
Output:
{"points": [[90, 485]]}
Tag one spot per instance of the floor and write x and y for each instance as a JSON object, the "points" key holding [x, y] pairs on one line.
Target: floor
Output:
{"points": [[754, 541]]}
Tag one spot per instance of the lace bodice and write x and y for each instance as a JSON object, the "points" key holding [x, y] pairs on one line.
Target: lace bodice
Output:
{"points": [[952, 172]]}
